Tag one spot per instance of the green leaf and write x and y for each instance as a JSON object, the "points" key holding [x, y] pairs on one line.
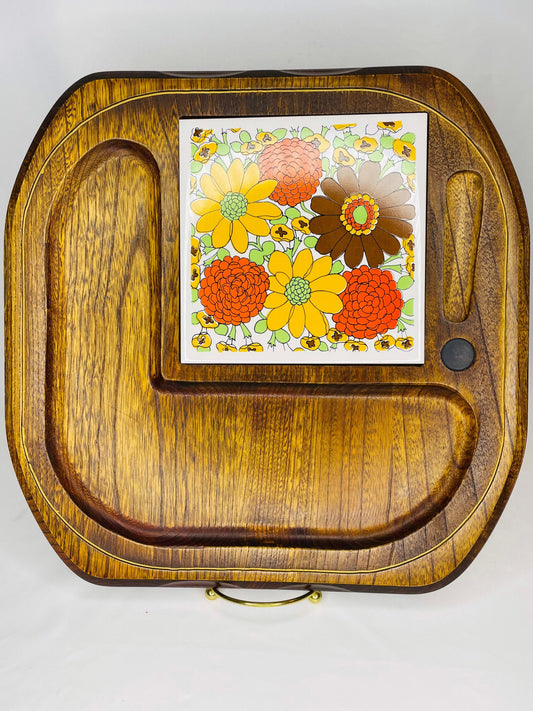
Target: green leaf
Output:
{"points": [[245, 137], [408, 137], [408, 307], [323, 347], [407, 168], [280, 133], [280, 221], [404, 282], [206, 239], [376, 156], [310, 241], [196, 166], [337, 267], [260, 326], [193, 230], [194, 319], [256, 256], [350, 139], [222, 253], [325, 164], [386, 141], [236, 146], [338, 142], [282, 336], [268, 248], [222, 329], [194, 148], [194, 295], [223, 149], [215, 140], [201, 348], [306, 132], [292, 213], [395, 267]]}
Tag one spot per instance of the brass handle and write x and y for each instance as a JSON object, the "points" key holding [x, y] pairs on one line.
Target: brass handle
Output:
{"points": [[311, 595]]}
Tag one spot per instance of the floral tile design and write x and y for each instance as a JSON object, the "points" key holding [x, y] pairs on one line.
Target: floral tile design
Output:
{"points": [[299, 238]]}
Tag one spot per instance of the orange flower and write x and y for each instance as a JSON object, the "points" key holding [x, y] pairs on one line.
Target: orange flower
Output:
{"points": [[372, 303], [295, 165], [233, 290]]}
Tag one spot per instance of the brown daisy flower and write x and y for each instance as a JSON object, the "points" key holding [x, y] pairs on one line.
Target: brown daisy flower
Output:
{"points": [[361, 214]]}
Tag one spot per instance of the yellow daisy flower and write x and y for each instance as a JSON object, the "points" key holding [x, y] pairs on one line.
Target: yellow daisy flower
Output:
{"points": [[232, 207], [301, 293]]}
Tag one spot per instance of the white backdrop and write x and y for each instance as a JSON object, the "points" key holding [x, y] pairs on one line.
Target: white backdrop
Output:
{"points": [[67, 644]]}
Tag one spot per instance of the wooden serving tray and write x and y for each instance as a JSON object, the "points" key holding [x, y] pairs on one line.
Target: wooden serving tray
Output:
{"points": [[142, 468]]}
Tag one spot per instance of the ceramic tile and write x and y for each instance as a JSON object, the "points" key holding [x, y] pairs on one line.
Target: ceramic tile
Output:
{"points": [[302, 239]]}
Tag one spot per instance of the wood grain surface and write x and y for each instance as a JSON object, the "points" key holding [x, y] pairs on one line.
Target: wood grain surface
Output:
{"points": [[142, 469]]}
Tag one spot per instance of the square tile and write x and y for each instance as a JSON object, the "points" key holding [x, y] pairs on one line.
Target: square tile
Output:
{"points": [[302, 239]]}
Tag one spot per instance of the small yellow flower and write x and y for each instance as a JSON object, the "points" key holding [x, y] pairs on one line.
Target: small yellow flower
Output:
{"points": [[390, 125], [405, 150], [342, 157], [195, 276], [233, 205], [301, 224], [195, 250], [367, 144], [281, 233], [251, 147], [352, 345], [409, 245], [204, 153], [221, 347], [206, 320], [235, 130], [310, 344], [301, 293], [410, 266], [384, 343], [266, 138], [318, 141], [202, 340], [250, 347], [411, 181], [405, 343], [335, 336], [342, 126], [199, 135]]}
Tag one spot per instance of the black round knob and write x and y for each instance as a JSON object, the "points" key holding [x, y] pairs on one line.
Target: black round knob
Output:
{"points": [[458, 354]]}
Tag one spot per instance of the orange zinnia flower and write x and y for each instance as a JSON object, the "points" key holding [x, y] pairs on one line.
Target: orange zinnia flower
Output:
{"points": [[372, 303], [233, 290], [295, 165]]}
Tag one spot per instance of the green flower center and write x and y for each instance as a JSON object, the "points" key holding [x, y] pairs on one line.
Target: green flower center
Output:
{"points": [[298, 291], [233, 206], [360, 214]]}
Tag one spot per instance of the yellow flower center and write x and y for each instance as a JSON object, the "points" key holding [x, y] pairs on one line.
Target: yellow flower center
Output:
{"points": [[359, 214]]}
